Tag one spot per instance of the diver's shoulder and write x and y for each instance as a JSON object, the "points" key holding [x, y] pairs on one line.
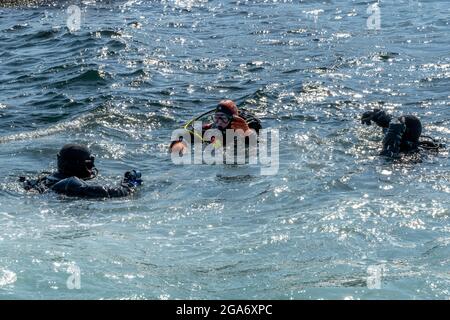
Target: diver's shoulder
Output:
{"points": [[68, 183], [252, 120]]}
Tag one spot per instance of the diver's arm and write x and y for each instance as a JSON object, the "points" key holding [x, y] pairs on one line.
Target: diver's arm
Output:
{"points": [[381, 118], [78, 188]]}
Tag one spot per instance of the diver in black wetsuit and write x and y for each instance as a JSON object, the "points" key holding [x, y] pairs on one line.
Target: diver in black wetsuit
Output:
{"points": [[401, 134], [75, 166]]}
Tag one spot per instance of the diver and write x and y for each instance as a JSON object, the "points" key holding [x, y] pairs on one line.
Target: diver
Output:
{"points": [[402, 134], [226, 116], [75, 167]]}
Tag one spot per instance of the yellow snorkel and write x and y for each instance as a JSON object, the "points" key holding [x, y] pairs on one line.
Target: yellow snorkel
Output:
{"points": [[189, 128]]}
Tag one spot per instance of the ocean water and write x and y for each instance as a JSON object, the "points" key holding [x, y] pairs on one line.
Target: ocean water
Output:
{"points": [[335, 222]]}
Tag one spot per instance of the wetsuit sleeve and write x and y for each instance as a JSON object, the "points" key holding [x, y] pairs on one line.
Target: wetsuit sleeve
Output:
{"points": [[381, 118], [77, 188]]}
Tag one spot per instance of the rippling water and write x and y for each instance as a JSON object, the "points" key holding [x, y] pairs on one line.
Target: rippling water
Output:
{"points": [[137, 70]]}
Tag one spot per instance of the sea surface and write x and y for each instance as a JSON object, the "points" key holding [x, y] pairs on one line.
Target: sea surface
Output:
{"points": [[335, 222]]}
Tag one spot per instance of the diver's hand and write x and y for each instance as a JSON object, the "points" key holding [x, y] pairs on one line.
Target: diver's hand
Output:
{"points": [[378, 116], [239, 123], [132, 178], [178, 147], [367, 117]]}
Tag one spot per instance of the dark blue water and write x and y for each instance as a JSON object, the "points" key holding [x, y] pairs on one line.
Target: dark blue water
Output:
{"points": [[137, 70]]}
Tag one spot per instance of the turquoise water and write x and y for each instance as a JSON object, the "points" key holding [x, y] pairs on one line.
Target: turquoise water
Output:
{"points": [[137, 70]]}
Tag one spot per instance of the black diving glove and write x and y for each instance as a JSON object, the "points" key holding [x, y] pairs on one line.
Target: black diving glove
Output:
{"points": [[378, 116], [393, 139], [132, 178]]}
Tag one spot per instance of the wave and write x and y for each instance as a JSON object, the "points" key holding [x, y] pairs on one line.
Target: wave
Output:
{"points": [[60, 127], [27, 3], [88, 78]]}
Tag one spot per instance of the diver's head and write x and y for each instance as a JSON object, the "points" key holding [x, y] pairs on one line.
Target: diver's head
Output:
{"points": [[413, 128], [76, 160], [224, 113]]}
